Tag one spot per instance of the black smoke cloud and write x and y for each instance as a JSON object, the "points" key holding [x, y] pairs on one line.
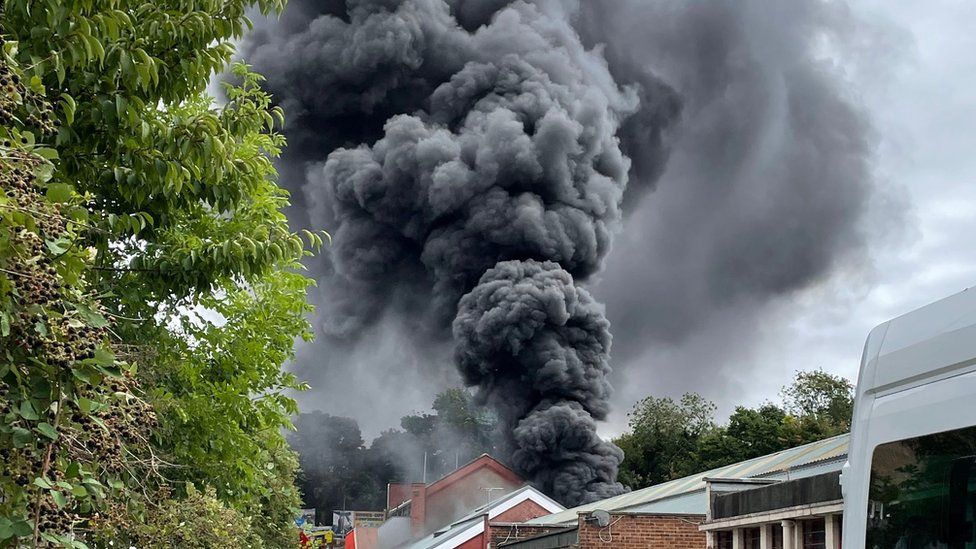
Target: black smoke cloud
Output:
{"points": [[768, 190], [538, 346], [452, 145], [442, 140]]}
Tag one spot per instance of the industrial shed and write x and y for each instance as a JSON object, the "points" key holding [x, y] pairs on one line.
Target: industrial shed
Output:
{"points": [[679, 514]]}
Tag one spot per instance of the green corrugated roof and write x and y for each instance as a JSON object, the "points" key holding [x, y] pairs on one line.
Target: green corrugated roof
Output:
{"points": [[780, 464]]}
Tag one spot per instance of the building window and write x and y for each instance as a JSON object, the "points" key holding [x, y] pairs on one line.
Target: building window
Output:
{"points": [[751, 538], [923, 492], [723, 540], [814, 534], [777, 536]]}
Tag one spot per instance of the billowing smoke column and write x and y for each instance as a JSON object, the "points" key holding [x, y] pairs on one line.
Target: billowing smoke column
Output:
{"points": [[473, 171], [538, 346], [450, 144]]}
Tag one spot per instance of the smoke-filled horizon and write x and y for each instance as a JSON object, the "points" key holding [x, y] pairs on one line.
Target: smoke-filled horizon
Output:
{"points": [[474, 160]]}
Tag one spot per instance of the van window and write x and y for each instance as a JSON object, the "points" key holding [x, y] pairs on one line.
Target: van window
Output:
{"points": [[923, 493]]}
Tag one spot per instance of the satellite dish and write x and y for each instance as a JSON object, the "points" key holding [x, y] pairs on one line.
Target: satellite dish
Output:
{"points": [[601, 517]]}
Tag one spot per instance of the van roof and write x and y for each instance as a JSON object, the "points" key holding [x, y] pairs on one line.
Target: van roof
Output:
{"points": [[932, 342]]}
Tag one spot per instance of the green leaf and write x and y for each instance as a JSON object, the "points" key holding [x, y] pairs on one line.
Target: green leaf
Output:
{"points": [[27, 411], [82, 374], [36, 85], [68, 106], [59, 246], [47, 430], [104, 357], [22, 437], [44, 171], [59, 192], [22, 528], [59, 498], [84, 405], [43, 483], [91, 317], [46, 153]]}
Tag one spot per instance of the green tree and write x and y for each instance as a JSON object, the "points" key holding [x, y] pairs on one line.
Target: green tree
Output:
{"points": [[821, 398], [669, 439], [335, 468], [168, 287], [663, 440], [339, 471], [750, 432], [457, 432]]}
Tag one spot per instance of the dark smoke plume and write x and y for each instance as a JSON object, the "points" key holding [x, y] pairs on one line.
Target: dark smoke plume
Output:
{"points": [[769, 187], [464, 142], [539, 347], [455, 146]]}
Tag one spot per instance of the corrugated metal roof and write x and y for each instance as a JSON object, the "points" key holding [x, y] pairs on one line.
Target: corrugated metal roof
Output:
{"points": [[792, 463], [691, 503]]}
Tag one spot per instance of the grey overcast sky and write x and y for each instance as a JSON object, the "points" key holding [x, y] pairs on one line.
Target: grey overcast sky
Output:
{"points": [[919, 87]]}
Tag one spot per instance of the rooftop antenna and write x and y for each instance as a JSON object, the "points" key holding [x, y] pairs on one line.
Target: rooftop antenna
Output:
{"points": [[488, 491]]}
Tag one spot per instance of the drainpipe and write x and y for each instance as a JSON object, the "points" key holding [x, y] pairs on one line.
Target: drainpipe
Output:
{"points": [[486, 536]]}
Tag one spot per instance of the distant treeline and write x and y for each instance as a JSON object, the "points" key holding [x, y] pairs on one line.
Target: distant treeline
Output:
{"points": [[671, 439], [667, 439], [339, 471]]}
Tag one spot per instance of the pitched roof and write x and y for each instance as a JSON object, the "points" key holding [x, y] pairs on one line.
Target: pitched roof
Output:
{"points": [[473, 523], [484, 461], [686, 495]]}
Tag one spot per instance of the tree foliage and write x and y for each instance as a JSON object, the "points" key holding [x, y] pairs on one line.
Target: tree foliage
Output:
{"points": [[669, 439], [339, 471], [663, 438], [150, 287]]}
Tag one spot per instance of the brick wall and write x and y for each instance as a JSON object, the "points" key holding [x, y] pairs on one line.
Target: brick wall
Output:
{"points": [[461, 496], [523, 511], [477, 542], [397, 493], [643, 532], [418, 510]]}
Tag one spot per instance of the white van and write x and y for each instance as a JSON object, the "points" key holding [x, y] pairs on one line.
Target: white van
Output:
{"points": [[910, 478]]}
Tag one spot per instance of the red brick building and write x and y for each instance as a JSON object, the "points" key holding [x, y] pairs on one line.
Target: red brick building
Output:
{"points": [[436, 505], [461, 509], [641, 531], [498, 520], [623, 531]]}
